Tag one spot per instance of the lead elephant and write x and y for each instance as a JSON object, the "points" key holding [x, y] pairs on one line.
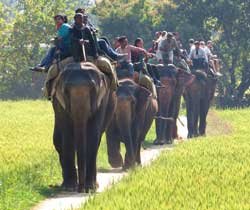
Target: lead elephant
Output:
{"points": [[198, 96], [83, 104], [133, 117]]}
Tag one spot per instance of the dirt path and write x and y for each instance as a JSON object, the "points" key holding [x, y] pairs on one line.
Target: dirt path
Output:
{"points": [[66, 201]]}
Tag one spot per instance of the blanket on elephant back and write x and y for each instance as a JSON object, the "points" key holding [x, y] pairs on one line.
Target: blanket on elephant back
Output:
{"points": [[56, 67]]}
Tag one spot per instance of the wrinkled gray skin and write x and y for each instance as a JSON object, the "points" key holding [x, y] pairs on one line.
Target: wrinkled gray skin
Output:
{"points": [[89, 106], [133, 117]]}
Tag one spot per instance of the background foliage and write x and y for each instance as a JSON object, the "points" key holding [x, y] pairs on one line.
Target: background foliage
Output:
{"points": [[27, 24]]}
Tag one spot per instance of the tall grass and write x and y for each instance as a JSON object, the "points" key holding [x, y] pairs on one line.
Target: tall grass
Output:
{"points": [[206, 173]]}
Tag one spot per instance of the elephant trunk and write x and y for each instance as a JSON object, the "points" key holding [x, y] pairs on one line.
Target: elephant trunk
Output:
{"points": [[124, 117], [80, 108]]}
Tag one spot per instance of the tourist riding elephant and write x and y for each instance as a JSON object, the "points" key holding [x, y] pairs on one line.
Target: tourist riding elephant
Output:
{"points": [[169, 97], [84, 105], [133, 117], [198, 96]]}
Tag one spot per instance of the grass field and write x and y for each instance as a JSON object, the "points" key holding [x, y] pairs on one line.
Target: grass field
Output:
{"points": [[210, 173], [28, 161]]}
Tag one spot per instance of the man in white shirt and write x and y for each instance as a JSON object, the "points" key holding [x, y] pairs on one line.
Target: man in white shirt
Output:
{"points": [[212, 59], [198, 57], [167, 47], [191, 45], [159, 45]]}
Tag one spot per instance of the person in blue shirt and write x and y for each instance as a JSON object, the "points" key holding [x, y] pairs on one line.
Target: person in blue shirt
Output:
{"points": [[62, 44]]}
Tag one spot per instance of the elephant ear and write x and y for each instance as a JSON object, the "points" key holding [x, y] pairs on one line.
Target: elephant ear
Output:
{"points": [[142, 95]]}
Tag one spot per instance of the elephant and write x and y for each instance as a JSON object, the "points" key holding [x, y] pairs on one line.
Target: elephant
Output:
{"points": [[183, 80], [174, 80], [198, 96], [83, 104], [136, 109]]}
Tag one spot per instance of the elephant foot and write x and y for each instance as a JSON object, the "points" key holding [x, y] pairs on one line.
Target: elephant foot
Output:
{"points": [[196, 135], [159, 142], [155, 142], [88, 188], [69, 186], [202, 134], [127, 166], [190, 136], [116, 162], [138, 161], [169, 142]]}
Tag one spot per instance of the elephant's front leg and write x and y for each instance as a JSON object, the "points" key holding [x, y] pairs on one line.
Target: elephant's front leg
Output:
{"points": [[203, 117], [68, 155], [190, 118], [94, 135], [92, 149], [130, 152], [196, 117], [61, 140], [138, 154]]}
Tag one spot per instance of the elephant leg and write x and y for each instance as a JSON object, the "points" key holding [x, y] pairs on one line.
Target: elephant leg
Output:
{"points": [[130, 152], [169, 125], [94, 138], [68, 153], [94, 134], [58, 141], [203, 116], [174, 130], [113, 146], [161, 127], [196, 117], [190, 117], [131, 142], [176, 110], [157, 130], [138, 154], [65, 151]]}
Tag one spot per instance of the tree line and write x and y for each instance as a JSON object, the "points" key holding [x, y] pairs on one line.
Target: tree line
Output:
{"points": [[28, 24]]}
